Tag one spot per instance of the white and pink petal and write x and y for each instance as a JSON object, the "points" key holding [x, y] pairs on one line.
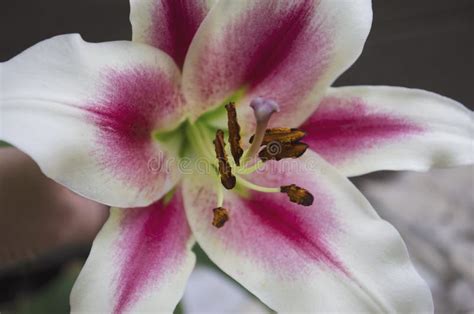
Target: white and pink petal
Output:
{"points": [[289, 51], [168, 25], [362, 129], [86, 113], [337, 255], [139, 262]]}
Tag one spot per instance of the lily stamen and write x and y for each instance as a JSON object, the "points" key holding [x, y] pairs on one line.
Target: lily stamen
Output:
{"points": [[221, 216], [278, 151], [225, 170], [234, 133], [280, 143], [295, 193], [298, 195], [282, 135]]}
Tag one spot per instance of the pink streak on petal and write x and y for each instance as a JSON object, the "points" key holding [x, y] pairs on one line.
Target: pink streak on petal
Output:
{"points": [[342, 128], [286, 228], [132, 104], [284, 238], [152, 246], [277, 53], [174, 23]]}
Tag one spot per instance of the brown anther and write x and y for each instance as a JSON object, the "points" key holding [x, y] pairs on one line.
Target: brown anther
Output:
{"points": [[234, 133], [278, 151], [221, 216], [225, 170], [282, 135], [298, 195]]}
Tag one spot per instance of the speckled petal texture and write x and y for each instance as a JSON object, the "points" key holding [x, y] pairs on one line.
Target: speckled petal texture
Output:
{"points": [[140, 261], [335, 255]]}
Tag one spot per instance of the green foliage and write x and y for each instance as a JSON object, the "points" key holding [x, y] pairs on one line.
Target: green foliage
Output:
{"points": [[4, 144], [53, 298]]}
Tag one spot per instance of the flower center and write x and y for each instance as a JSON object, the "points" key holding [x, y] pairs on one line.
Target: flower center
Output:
{"points": [[266, 144]]}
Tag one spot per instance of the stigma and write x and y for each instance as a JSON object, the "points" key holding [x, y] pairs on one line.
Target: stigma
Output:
{"points": [[263, 110]]}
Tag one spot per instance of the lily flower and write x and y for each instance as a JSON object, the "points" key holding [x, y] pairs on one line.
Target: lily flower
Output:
{"points": [[218, 124]]}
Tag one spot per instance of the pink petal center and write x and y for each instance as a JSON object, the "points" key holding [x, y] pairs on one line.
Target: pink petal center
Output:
{"points": [[152, 246], [131, 105], [284, 238], [174, 24], [341, 128], [274, 49]]}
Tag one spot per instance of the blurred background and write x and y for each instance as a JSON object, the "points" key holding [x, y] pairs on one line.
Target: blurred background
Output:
{"points": [[428, 44]]}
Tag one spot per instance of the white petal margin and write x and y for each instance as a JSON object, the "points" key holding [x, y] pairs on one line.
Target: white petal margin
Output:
{"points": [[85, 113], [139, 262], [337, 255], [362, 129]]}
